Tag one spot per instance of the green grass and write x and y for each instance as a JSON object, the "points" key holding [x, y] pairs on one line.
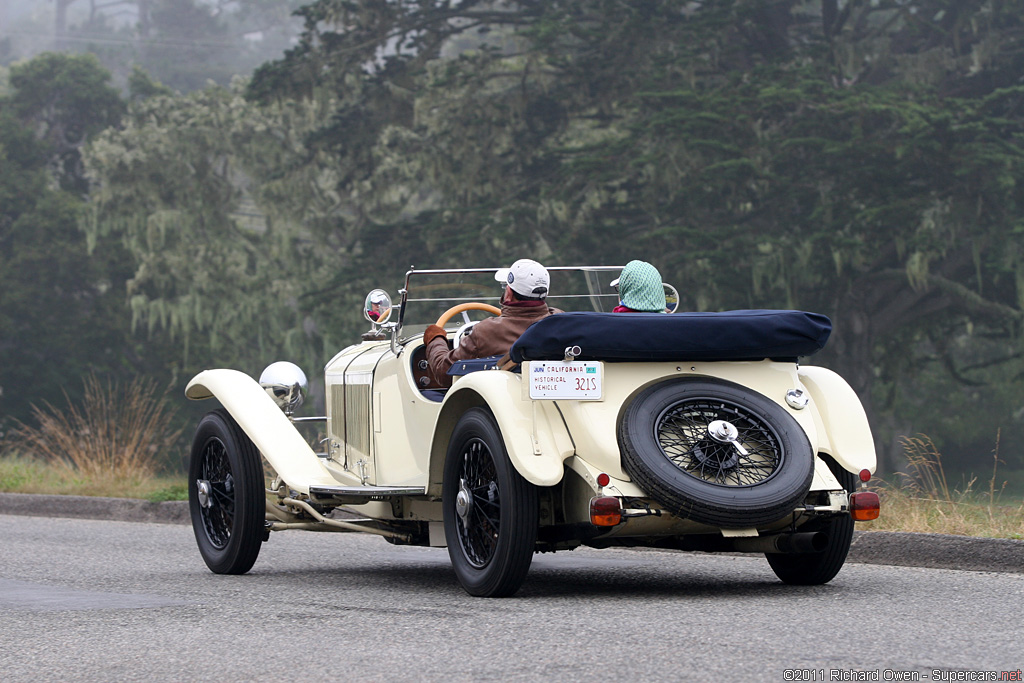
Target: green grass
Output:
{"points": [[18, 474], [22, 474], [176, 491]]}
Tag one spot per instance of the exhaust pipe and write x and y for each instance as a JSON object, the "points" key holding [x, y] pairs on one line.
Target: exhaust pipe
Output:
{"points": [[807, 542]]}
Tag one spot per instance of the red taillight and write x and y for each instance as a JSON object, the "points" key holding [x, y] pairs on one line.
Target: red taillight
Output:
{"points": [[865, 475], [864, 506], [603, 480], [605, 511]]}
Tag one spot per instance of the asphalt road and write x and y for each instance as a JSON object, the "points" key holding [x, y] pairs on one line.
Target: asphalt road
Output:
{"points": [[119, 601]]}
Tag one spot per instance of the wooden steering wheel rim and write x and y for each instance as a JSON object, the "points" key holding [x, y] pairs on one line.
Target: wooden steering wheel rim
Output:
{"points": [[469, 306]]}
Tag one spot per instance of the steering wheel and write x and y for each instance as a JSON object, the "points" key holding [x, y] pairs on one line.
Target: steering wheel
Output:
{"points": [[469, 306]]}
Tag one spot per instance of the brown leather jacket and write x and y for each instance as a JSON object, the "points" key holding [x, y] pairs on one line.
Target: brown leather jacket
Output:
{"points": [[489, 337]]}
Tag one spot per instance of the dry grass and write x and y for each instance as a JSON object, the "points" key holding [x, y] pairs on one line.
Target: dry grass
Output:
{"points": [[924, 500], [114, 439]]}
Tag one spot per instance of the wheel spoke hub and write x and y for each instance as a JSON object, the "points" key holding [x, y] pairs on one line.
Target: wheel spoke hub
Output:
{"points": [[216, 494], [722, 431], [204, 492], [726, 432], [718, 442], [463, 502], [478, 504]]}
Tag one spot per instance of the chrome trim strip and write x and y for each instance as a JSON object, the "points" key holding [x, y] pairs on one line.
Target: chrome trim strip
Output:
{"points": [[367, 491]]}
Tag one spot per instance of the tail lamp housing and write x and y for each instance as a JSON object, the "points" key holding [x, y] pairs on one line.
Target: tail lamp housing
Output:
{"points": [[605, 511], [864, 506]]}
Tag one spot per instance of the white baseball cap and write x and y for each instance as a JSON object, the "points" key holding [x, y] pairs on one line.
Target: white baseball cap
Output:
{"points": [[526, 278]]}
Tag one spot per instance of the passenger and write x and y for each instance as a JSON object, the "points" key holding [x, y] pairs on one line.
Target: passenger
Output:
{"points": [[522, 304], [640, 289]]}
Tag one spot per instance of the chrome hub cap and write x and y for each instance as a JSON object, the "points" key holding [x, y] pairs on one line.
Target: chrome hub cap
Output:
{"points": [[463, 500], [204, 493], [726, 432], [722, 431]]}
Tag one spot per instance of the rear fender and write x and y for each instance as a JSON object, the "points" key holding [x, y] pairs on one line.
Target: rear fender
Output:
{"points": [[845, 433], [535, 436], [268, 427]]}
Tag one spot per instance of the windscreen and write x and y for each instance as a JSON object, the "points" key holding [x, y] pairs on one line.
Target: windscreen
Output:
{"points": [[432, 292]]}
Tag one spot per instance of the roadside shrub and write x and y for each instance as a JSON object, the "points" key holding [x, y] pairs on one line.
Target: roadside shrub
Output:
{"points": [[923, 499], [117, 433]]}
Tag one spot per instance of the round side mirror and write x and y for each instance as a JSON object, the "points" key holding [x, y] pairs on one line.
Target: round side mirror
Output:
{"points": [[377, 308], [671, 298]]}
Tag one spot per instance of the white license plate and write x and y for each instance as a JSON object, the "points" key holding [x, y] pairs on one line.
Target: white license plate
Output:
{"points": [[573, 380]]}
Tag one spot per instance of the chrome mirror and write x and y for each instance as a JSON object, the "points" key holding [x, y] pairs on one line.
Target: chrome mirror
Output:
{"points": [[285, 383], [377, 308], [671, 298]]}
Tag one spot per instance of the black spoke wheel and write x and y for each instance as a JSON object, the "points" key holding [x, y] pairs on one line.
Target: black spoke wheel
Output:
{"points": [[694, 435], [716, 452], [813, 569], [226, 494], [490, 511]]}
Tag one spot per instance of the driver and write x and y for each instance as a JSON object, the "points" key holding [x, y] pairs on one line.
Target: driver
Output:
{"points": [[522, 304], [378, 310]]}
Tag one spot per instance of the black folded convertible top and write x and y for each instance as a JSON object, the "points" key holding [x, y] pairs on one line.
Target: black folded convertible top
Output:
{"points": [[728, 335]]}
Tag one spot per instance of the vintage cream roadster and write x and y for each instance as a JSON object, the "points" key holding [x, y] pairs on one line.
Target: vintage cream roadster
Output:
{"points": [[690, 431]]}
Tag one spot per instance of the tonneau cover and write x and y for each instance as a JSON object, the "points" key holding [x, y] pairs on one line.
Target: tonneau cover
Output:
{"points": [[728, 335]]}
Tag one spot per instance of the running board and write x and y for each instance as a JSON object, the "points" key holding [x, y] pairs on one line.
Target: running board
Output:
{"points": [[370, 492]]}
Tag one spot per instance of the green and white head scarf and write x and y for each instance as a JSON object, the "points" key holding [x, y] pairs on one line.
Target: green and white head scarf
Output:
{"points": [[640, 288]]}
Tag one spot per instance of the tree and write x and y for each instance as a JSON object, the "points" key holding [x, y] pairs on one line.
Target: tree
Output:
{"points": [[851, 157], [66, 99], [60, 309], [838, 156], [198, 189]]}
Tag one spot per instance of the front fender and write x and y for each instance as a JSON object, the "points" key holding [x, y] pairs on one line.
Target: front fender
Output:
{"points": [[535, 436], [845, 433], [268, 427]]}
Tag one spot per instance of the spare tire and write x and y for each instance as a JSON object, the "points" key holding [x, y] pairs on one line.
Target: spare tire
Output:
{"points": [[716, 452]]}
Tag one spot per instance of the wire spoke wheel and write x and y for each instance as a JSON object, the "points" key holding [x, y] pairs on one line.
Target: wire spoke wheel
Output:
{"points": [[226, 494], [480, 524], [716, 452], [218, 514], [685, 433], [491, 513]]}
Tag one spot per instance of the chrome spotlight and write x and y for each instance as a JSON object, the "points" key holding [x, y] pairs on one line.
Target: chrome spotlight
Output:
{"points": [[285, 383]]}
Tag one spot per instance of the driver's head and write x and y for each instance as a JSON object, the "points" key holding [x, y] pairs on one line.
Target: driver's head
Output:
{"points": [[526, 279]]}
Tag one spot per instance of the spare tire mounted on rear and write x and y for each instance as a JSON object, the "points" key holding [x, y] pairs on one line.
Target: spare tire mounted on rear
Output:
{"points": [[716, 452]]}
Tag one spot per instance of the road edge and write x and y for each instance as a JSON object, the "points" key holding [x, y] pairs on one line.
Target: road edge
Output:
{"points": [[89, 507]]}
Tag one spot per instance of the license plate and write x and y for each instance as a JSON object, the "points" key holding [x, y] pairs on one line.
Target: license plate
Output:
{"points": [[573, 380]]}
